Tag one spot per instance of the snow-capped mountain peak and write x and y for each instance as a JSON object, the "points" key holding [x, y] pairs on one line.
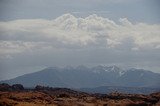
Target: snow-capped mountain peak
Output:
{"points": [[109, 69]]}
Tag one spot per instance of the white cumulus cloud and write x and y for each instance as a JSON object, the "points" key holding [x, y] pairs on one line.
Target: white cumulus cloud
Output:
{"points": [[68, 31]]}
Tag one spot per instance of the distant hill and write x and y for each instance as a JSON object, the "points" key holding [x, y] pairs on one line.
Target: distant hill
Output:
{"points": [[84, 77], [130, 90]]}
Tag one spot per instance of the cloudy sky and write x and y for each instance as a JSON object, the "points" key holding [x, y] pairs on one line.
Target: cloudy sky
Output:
{"points": [[35, 34]]}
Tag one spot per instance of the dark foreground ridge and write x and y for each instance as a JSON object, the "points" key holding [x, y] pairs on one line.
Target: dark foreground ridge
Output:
{"points": [[17, 95]]}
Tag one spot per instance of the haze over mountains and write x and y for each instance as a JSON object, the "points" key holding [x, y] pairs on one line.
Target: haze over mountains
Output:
{"points": [[84, 77]]}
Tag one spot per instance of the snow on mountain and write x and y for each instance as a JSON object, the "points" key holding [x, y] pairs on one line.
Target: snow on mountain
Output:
{"points": [[109, 69]]}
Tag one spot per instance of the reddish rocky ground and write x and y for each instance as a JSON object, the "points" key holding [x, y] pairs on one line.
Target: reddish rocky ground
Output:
{"points": [[16, 95]]}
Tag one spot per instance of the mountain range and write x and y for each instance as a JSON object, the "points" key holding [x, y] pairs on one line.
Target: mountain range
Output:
{"points": [[84, 77]]}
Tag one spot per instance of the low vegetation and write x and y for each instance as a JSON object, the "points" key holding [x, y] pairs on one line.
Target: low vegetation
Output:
{"points": [[16, 95]]}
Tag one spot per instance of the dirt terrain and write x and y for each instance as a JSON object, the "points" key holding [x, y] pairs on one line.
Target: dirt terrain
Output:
{"points": [[16, 95]]}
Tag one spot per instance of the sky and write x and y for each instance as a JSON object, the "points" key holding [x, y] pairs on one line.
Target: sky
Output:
{"points": [[35, 34]]}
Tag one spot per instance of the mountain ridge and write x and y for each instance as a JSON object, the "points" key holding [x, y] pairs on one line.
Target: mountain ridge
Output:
{"points": [[82, 76]]}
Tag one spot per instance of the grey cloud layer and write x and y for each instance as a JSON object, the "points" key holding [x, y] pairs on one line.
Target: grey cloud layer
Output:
{"points": [[69, 32], [28, 45]]}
